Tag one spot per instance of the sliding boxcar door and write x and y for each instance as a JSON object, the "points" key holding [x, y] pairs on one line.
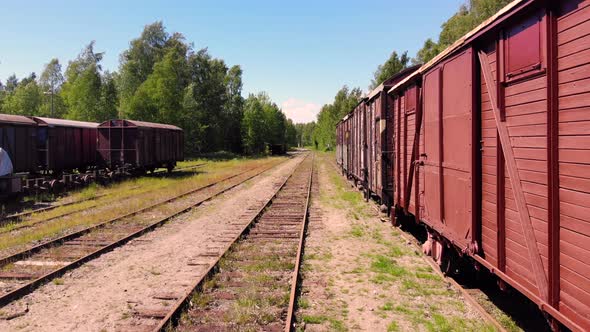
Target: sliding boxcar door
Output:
{"points": [[457, 146], [432, 154]]}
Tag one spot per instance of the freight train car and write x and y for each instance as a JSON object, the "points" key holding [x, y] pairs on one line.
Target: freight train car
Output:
{"points": [[491, 148], [356, 156], [136, 146], [17, 139], [65, 145], [346, 143], [339, 144], [379, 138]]}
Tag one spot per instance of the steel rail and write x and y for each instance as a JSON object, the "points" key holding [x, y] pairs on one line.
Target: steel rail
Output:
{"points": [[31, 286], [12, 217], [7, 219], [295, 279], [69, 213], [455, 284], [172, 317]]}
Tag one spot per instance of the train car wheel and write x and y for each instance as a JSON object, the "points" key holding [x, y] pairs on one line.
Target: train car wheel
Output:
{"points": [[56, 186]]}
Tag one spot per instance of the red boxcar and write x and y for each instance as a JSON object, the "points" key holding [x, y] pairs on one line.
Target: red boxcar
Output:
{"points": [[139, 145], [65, 145], [339, 143], [347, 144], [358, 142], [380, 138], [492, 145], [17, 138]]}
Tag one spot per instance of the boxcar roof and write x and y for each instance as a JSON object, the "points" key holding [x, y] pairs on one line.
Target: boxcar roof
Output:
{"points": [[142, 124], [16, 119], [51, 122], [388, 83], [501, 15]]}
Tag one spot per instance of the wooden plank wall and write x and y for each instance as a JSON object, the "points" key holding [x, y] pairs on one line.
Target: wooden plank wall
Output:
{"points": [[573, 39]]}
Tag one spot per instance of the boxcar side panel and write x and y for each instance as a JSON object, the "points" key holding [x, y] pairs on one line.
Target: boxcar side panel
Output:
{"points": [[20, 144], [388, 153], [431, 154], [492, 229], [573, 65]]}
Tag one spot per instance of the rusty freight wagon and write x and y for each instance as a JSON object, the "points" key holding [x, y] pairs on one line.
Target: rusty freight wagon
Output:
{"points": [[346, 144], [17, 139], [138, 146], [494, 157], [380, 137], [65, 145], [339, 144], [358, 143]]}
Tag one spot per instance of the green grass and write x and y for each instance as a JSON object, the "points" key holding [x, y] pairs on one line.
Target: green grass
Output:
{"points": [[121, 198], [357, 231], [388, 306], [303, 303], [314, 319], [392, 327], [386, 265]]}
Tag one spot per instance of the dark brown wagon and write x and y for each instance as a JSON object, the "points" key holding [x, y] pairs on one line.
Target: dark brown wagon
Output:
{"points": [[17, 138], [138, 145], [65, 145]]}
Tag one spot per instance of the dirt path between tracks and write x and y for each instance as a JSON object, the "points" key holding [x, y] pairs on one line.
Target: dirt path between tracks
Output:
{"points": [[359, 274], [105, 294]]}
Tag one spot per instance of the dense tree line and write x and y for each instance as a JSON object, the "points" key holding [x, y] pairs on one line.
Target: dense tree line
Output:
{"points": [[324, 134], [304, 134], [469, 16], [161, 78]]}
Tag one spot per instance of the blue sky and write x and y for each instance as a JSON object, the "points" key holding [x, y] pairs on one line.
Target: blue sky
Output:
{"points": [[300, 52]]}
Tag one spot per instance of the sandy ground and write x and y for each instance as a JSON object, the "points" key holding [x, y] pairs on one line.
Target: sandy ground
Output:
{"points": [[360, 274], [104, 294]]}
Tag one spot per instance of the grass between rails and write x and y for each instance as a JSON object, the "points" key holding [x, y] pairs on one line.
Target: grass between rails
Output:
{"points": [[361, 266], [118, 199], [261, 292]]}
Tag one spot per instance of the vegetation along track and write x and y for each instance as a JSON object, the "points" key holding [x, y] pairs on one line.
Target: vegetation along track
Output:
{"points": [[19, 216], [22, 272], [252, 283]]}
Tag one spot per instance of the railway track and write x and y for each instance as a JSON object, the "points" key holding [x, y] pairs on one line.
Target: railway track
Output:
{"points": [[23, 272], [256, 267], [15, 217]]}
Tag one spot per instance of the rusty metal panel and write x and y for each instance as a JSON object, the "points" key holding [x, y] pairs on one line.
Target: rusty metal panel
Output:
{"points": [[65, 144], [18, 139], [139, 144]]}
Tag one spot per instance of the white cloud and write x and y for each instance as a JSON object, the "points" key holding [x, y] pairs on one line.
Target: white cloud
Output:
{"points": [[300, 111]]}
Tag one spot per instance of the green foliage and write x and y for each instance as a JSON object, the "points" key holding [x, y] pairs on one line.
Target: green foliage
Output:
{"points": [[161, 78], [305, 133], [263, 123], [291, 133], [25, 99], [138, 61], [324, 134], [253, 125], [85, 95], [392, 66], [468, 17]]}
